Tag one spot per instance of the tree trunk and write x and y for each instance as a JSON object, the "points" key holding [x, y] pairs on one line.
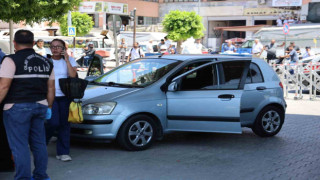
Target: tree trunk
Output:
{"points": [[179, 48], [11, 36]]}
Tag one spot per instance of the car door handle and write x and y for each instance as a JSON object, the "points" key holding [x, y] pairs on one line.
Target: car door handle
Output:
{"points": [[261, 88], [226, 96]]}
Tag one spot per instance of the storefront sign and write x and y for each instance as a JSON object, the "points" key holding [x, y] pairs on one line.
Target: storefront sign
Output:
{"points": [[108, 7], [87, 7], [286, 3], [265, 11]]}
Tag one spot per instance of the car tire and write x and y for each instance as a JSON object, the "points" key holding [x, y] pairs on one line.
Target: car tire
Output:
{"points": [[137, 133], [268, 122]]}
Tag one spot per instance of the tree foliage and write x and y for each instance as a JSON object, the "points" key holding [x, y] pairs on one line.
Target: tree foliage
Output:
{"points": [[82, 22], [31, 11], [181, 25]]}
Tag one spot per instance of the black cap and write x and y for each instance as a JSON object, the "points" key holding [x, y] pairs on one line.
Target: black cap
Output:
{"points": [[308, 47]]}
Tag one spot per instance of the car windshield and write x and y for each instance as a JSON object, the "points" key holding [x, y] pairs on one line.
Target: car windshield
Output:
{"points": [[138, 73], [247, 44]]}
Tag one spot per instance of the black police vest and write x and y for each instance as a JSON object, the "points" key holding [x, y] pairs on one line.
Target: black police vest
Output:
{"points": [[30, 80]]}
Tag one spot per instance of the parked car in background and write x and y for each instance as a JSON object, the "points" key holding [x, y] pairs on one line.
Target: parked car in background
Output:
{"points": [[139, 101]]}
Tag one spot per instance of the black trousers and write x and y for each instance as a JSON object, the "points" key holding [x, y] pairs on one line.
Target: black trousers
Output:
{"points": [[6, 162]]}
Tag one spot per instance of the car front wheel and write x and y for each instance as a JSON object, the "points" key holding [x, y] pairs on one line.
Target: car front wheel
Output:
{"points": [[137, 133], [268, 122]]}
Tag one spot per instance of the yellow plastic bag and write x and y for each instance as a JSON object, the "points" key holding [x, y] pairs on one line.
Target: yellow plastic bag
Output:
{"points": [[75, 113]]}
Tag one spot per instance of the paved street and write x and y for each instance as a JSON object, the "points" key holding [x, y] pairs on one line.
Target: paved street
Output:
{"points": [[292, 154]]}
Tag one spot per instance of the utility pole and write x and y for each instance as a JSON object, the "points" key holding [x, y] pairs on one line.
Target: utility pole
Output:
{"points": [[70, 24], [134, 25], [11, 36], [115, 39]]}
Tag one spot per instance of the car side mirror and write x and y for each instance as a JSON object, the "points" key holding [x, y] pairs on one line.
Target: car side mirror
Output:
{"points": [[173, 86]]}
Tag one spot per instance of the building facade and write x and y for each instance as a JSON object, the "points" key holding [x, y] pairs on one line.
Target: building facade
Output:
{"points": [[215, 13]]}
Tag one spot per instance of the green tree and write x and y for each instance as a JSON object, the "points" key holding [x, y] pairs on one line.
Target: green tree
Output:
{"points": [[82, 22], [31, 11], [181, 25]]}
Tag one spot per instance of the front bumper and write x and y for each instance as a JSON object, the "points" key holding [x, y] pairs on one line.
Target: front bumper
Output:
{"points": [[97, 128]]}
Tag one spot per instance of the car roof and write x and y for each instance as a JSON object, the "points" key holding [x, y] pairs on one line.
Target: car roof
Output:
{"points": [[189, 57]]}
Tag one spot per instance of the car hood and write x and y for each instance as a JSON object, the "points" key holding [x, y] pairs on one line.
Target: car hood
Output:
{"points": [[96, 93]]}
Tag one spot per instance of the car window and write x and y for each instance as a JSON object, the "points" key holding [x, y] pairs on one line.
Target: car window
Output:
{"points": [[254, 74], [142, 72], [202, 79], [226, 75], [230, 74], [247, 44], [190, 67]]}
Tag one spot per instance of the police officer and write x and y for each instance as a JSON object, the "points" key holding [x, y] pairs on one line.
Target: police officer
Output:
{"points": [[27, 90]]}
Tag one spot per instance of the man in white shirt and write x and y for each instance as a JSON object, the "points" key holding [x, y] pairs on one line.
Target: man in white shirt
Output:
{"points": [[150, 47], [38, 47], [257, 48], [279, 22], [285, 21], [167, 43], [135, 53], [198, 46]]}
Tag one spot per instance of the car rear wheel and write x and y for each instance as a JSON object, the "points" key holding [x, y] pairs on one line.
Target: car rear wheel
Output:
{"points": [[137, 133], [268, 122]]}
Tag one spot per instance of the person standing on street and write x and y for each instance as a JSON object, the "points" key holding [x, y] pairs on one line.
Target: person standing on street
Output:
{"points": [[308, 53], [272, 50], [64, 66], [229, 47], [27, 90], [88, 54], [167, 42], [123, 48], [39, 47], [293, 55], [135, 52], [285, 21], [257, 48], [198, 46], [150, 47], [279, 22], [160, 44], [297, 48]]}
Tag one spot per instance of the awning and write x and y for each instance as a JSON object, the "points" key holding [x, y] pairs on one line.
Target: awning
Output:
{"points": [[242, 28]]}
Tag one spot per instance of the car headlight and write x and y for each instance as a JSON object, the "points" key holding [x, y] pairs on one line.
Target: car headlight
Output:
{"points": [[99, 108]]}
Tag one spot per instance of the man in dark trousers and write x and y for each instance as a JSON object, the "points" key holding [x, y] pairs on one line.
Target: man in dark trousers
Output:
{"points": [[27, 91]]}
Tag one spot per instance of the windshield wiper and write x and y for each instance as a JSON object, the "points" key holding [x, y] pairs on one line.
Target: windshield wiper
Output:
{"points": [[98, 83], [122, 85]]}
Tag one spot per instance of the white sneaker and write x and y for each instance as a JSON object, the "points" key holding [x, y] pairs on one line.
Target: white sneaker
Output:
{"points": [[64, 158]]}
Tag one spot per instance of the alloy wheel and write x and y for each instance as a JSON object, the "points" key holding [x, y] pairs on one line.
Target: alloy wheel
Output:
{"points": [[140, 133], [271, 121]]}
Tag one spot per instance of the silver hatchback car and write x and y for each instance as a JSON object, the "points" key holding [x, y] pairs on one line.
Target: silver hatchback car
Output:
{"points": [[140, 101]]}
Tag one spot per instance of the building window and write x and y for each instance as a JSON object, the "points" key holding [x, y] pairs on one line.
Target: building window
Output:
{"points": [[140, 20], [147, 20]]}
